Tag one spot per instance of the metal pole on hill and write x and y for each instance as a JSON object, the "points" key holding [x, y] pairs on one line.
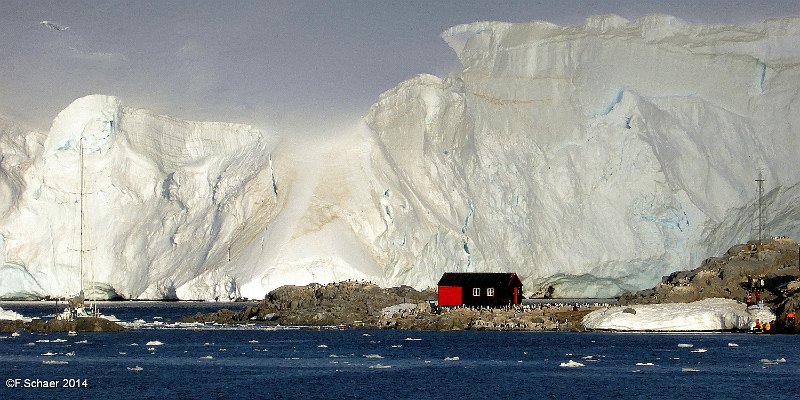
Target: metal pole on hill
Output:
{"points": [[761, 216]]}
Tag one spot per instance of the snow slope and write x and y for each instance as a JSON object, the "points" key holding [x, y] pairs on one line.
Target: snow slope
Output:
{"points": [[704, 315], [594, 158]]}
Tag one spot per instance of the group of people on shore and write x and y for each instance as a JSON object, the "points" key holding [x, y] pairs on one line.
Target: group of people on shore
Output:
{"points": [[755, 287]]}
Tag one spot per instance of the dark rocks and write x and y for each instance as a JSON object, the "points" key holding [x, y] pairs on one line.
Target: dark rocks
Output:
{"points": [[727, 277], [365, 305], [56, 325], [350, 302], [7, 326], [775, 262]]}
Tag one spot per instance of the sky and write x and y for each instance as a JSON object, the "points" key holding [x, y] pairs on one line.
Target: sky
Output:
{"points": [[274, 64]]}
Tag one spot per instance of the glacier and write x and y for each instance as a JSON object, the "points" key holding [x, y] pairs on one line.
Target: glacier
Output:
{"points": [[593, 158]]}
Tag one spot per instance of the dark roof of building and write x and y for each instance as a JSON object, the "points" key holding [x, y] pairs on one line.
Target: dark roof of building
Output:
{"points": [[480, 279]]}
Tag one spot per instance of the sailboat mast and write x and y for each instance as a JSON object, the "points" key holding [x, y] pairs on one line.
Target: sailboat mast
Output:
{"points": [[82, 219]]}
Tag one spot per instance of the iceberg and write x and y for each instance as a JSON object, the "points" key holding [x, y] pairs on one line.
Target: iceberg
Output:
{"points": [[593, 158], [712, 314]]}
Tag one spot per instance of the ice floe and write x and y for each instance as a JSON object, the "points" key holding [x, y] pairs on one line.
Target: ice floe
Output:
{"points": [[571, 364]]}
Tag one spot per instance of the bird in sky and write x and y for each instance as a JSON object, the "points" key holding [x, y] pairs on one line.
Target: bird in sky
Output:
{"points": [[53, 26]]}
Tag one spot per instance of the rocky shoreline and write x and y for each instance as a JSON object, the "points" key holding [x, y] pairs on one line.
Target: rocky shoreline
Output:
{"points": [[767, 272], [368, 306], [365, 305], [769, 268], [88, 324]]}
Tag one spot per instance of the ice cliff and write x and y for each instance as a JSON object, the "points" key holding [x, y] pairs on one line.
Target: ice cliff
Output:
{"points": [[593, 158]]}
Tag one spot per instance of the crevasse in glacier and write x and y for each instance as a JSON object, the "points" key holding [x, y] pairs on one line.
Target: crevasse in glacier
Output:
{"points": [[592, 158]]}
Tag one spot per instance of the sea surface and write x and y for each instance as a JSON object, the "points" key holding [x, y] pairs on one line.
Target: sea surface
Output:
{"points": [[160, 359]]}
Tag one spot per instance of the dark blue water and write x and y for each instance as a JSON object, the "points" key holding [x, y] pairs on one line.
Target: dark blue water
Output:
{"points": [[255, 363]]}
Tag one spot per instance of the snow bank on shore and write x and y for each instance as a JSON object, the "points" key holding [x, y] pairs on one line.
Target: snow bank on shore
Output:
{"points": [[705, 315]]}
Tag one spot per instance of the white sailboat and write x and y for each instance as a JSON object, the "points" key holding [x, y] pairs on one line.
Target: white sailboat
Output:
{"points": [[76, 306]]}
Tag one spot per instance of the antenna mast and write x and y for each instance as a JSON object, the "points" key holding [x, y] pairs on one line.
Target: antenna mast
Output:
{"points": [[762, 217]]}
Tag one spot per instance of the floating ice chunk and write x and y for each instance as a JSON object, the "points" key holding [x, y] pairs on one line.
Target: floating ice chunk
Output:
{"points": [[43, 341], [12, 315], [685, 345], [208, 357], [645, 364], [455, 358], [699, 351], [571, 364], [373, 356], [58, 340], [731, 344], [55, 362], [112, 318], [154, 343], [70, 354], [323, 346], [135, 368], [253, 341], [380, 366], [767, 361], [687, 369]]}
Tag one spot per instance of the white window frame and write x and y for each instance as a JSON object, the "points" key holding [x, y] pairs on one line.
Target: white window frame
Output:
{"points": [[476, 292], [490, 292]]}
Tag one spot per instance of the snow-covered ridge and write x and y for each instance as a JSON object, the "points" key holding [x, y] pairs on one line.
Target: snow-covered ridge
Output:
{"points": [[595, 158]]}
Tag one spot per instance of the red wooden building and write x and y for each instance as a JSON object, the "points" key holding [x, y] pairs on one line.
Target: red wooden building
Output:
{"points": [[479, 289]]}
